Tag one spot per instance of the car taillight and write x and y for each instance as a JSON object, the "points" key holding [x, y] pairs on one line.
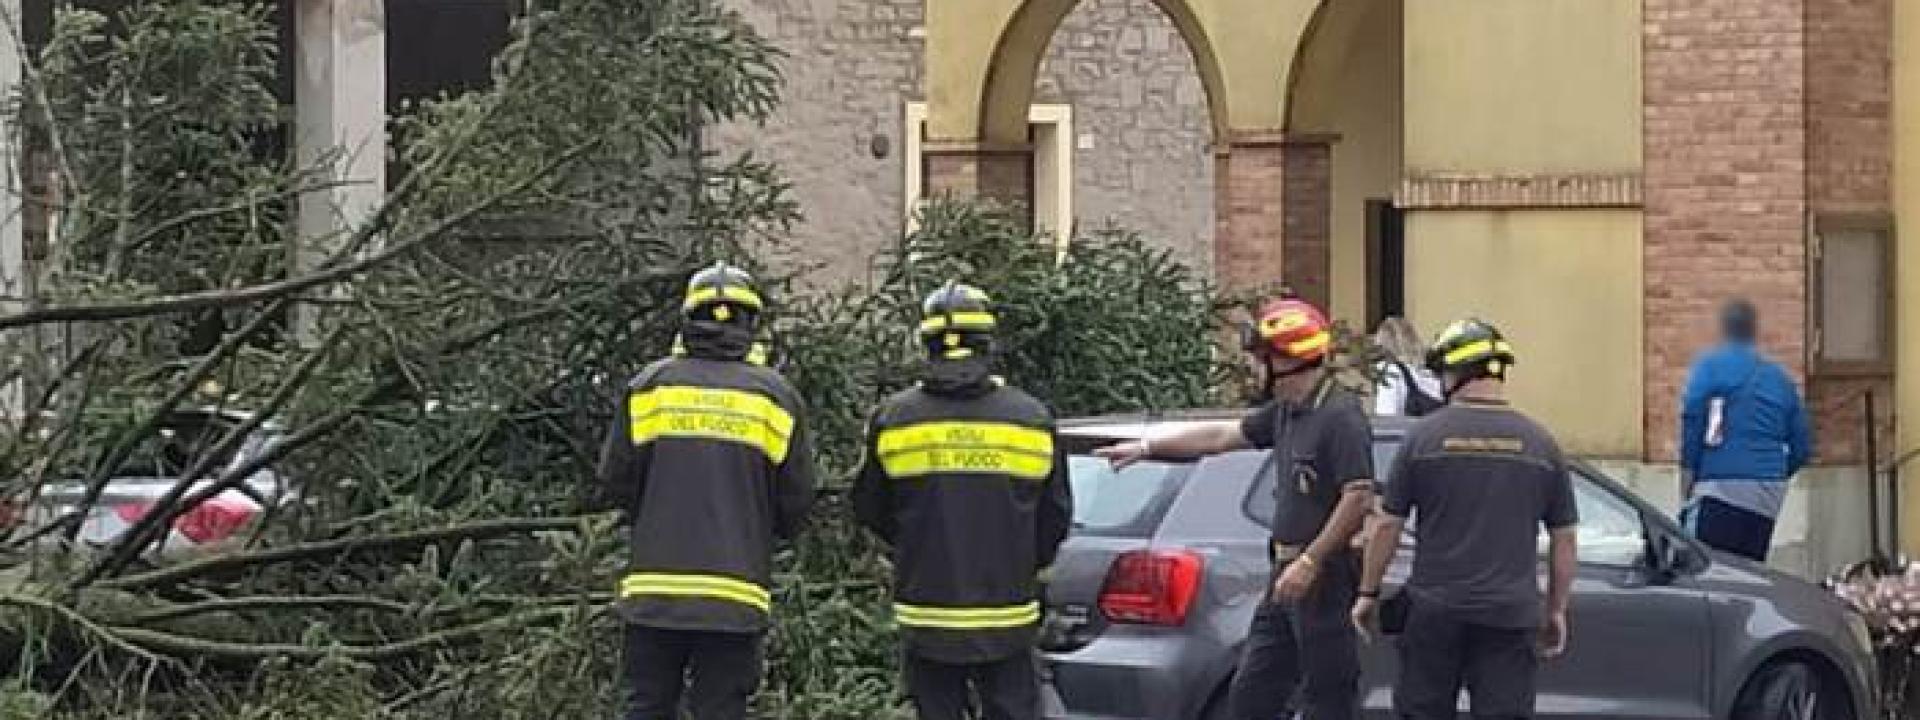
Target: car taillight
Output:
{"points": [[1152, 587], [211, 521]]}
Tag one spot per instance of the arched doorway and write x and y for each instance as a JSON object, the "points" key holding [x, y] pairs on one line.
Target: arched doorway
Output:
{"points": [[1273, 181], [1346, 86]]}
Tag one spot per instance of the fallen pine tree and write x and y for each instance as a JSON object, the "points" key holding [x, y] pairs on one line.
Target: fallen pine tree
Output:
{"points": [[443, 373]]}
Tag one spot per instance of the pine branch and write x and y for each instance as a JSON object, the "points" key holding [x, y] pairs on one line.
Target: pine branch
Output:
{"points": [[270, 602], [185, 302], [307, 551], [177, 645]]}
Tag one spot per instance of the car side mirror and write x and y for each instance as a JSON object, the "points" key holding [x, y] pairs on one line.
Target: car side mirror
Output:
{"points": [[1667, 556]]}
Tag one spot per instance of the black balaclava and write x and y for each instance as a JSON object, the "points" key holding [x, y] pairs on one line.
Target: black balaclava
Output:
{"points": [[968, 376], [715, 340]]}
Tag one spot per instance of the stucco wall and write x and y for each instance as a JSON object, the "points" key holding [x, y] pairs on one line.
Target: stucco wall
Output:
{"points": [[1523, 86], [1564, 286], [1349, 84], [854, 64], [1534, 88], [1906, 194]]}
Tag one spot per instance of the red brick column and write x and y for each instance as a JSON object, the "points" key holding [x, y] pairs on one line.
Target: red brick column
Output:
{"points": [[1726, 190], [1273, 213], [975, 170], [1850, 170]]}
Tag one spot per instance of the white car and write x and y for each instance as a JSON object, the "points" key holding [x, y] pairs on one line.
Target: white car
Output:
{"points": [[151, 473]]}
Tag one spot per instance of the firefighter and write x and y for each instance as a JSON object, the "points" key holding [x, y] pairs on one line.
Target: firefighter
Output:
{"points": [[1481, 480], [965, 479], [1323, 444], [709, 459]]}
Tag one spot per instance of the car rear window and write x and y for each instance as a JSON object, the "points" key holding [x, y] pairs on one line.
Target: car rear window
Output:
{"points": [[1126, 503]]}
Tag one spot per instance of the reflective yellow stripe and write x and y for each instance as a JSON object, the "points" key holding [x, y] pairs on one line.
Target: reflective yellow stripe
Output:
{"points": [[967, 447], [1317, 342], [961, 321], [1477, 347], [743, 295], [712, 587], [966, 618], [737, 416]]}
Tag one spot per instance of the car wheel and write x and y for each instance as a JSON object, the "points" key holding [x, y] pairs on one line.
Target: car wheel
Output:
{"points": [[1789, 691]]}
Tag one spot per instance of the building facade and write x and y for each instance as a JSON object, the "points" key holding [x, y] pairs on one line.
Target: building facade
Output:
{"points": [[1595, 176]]}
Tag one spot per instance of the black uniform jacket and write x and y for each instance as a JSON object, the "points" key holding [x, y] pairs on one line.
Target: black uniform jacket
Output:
{"points": [[971, 490], [711, 460]]}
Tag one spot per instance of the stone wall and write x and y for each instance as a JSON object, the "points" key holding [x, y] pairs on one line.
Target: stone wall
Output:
{"points": [[1143, 155], [1141, 134]]}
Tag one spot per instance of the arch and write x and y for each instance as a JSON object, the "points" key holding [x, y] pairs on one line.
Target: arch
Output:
{"points": [[1346, 83], [1324, 44], [1022, 45]]}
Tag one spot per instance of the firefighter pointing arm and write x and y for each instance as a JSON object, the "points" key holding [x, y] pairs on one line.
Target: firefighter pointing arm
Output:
{"points": [[1322, 445]]}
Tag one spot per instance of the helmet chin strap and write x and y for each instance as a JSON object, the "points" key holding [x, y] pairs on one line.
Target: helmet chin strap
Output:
{"points": [[1273, 378]]}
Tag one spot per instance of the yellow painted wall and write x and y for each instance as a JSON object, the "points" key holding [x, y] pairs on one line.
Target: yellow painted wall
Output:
{"points": [[1349, 84], [1906, 186], [1522, 86], [1564, 285]]}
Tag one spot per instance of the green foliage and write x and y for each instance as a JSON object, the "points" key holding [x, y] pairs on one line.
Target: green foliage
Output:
{"points": [[530, 261], [1111, 325], [160, 120]]}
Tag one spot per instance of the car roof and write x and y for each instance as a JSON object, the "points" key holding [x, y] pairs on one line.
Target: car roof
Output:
{"points": [[1136, 425]]}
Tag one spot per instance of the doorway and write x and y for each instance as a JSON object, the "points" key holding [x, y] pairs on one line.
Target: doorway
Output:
{"points": [[1386, 261]]}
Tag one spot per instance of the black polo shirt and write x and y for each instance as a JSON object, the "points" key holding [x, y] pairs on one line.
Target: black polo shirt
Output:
{"points": [[1480, 480], [1320, 446]]}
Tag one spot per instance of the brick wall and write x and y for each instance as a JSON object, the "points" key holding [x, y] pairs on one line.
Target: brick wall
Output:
{"points": [[853, 64], [1726, 189], [1308, 222], [1849, 153], [1252, 182]]}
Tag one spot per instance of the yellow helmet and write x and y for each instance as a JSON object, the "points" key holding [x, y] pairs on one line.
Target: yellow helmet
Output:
{"points": [[722, 293], [957, 322]]}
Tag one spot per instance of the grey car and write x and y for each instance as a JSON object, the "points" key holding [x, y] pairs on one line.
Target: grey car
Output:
{"points": [[1150, 600]]}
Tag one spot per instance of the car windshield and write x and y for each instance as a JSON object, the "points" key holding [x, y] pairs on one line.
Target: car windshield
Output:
{"points": [[1121, 503]]}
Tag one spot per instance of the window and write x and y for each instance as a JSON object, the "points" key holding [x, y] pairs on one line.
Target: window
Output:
{"points": [[1610, 531], [1852, 294], [1051, 130], [1128, 502]]}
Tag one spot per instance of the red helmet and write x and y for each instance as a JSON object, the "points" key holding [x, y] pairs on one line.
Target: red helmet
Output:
{"points": [[1291, 328]]}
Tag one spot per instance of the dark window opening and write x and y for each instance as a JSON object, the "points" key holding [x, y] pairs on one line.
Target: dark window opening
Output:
{"points": [[1386, 261]]}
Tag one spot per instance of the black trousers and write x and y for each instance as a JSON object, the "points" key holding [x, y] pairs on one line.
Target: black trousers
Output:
{"points": [[1440, 654], [1731, 528], [1008, 689], [716, 672], [1307, 645]]}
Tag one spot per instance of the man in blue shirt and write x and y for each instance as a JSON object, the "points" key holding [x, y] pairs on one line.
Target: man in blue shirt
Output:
{"points": [[1743, 434]]}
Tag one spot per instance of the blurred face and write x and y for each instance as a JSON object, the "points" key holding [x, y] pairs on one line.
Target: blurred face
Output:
{"points": [[1285, 366]]}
